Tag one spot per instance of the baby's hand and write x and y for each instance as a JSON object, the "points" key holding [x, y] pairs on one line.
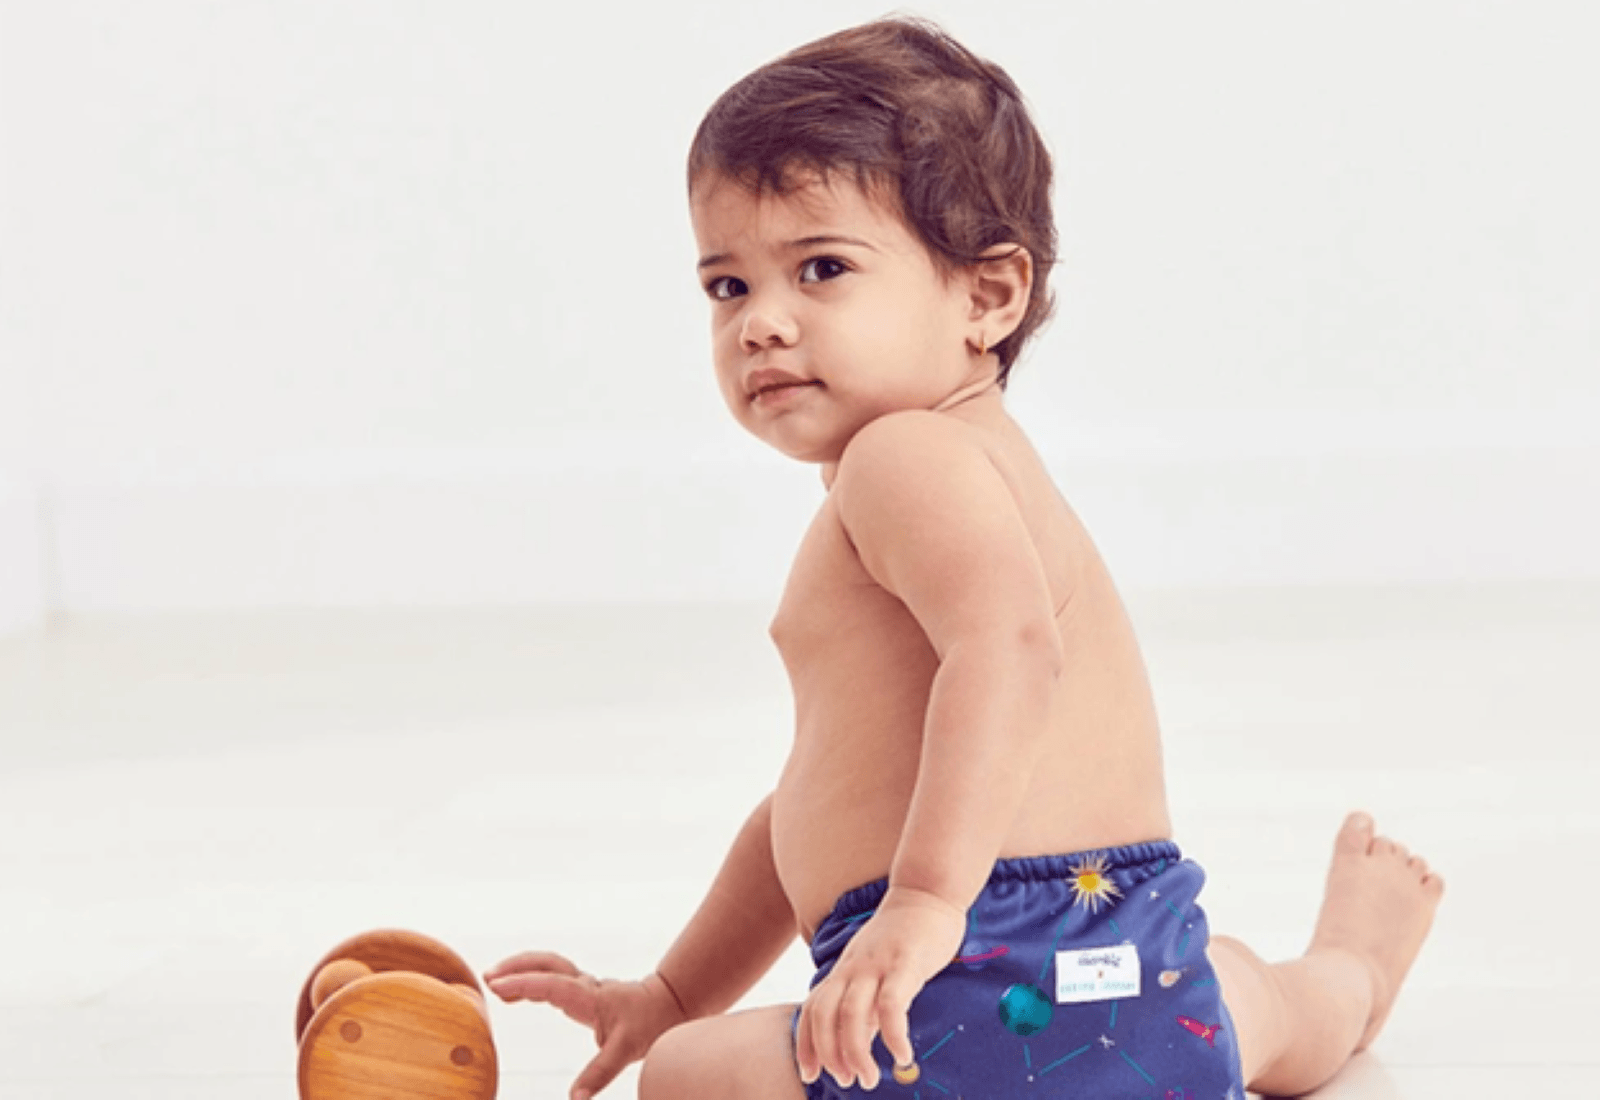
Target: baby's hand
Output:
{"points": [[910, 938], [626, 1016]]}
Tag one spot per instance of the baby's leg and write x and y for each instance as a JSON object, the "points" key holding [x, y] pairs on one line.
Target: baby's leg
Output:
{"points": [[740, 1056], [1299, 1021]]}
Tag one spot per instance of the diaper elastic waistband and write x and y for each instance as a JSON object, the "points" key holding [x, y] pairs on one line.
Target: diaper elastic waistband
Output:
{"points": [[1152, 856]]}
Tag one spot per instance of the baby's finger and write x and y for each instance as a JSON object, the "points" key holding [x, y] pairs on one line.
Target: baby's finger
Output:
{"points": [[824, 1004], [532, 962], [805, 1051], [858, 1023], [894, 1018], [526, 987], [600, 1071], [574, 996]]}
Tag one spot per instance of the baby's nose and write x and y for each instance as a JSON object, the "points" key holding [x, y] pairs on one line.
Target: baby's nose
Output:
{"points": [[768, 326]]}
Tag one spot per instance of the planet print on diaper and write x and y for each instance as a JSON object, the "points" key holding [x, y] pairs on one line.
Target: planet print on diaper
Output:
{"points": [[1169, 978], [1025, 1010]]}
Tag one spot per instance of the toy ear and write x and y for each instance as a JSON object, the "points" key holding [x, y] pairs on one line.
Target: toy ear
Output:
{"points": [[334, 977]]}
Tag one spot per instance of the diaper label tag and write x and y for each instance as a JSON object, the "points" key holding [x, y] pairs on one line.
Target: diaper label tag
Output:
{"points": [[1097, 974]]}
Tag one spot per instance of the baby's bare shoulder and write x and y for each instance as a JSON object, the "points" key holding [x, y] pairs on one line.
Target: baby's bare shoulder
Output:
{"points": [[913, 428], [911, 448], [932, 520]]}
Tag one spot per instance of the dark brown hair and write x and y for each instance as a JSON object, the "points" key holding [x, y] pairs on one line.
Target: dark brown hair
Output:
{"points": [[910, 114]]}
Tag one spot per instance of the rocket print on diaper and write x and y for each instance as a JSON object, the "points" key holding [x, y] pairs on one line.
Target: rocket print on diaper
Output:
{"points": [[1208, 1032]]}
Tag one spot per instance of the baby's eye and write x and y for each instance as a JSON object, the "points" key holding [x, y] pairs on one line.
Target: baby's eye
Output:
{"points": [[821, 268], [725, 287]]}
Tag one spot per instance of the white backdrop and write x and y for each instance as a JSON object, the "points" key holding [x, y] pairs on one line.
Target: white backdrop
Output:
{"points": [[356, 302]]}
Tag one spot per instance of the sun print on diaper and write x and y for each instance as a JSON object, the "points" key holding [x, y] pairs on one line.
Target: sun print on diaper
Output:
{"points": [[1091, 885]]}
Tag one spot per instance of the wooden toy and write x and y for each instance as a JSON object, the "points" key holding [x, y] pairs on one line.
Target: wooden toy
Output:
{"points": [[394, 1015]]}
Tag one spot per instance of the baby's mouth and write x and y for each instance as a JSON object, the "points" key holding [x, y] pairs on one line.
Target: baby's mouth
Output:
{"points": [[777, 386]]}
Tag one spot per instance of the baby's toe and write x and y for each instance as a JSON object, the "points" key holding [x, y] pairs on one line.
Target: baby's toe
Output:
{"points": [[1355, 835]]}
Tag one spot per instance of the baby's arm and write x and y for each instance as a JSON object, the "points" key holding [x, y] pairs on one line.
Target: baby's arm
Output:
{"points": [[741, 928], [935, 524]]}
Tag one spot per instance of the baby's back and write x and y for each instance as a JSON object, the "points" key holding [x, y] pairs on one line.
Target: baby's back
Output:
{"points": [[861, 669]]}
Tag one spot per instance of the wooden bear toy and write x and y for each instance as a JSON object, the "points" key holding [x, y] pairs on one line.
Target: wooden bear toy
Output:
{"points": [[394, 1015]]}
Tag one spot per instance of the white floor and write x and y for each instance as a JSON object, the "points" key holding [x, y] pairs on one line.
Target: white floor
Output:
{"points": [[193, 810]]}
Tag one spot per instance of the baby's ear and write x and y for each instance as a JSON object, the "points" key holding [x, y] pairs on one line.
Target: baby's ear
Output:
{"points": [[1000, 283]]}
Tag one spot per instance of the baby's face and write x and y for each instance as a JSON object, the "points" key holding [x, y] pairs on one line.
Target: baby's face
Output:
{"points": [[826, 313]]}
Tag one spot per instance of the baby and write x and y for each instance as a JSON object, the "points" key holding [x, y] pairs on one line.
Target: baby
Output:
{"points": [[971, 830]]}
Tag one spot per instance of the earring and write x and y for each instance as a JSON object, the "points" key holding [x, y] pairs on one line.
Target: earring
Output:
{"points": [[983, 345]]}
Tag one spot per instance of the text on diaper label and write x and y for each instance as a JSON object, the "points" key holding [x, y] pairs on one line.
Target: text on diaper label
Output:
{"points": [[1097, 974]]}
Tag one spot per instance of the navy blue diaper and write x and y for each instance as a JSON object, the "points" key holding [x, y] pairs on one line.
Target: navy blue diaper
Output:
{"points": [[1081, 976]]}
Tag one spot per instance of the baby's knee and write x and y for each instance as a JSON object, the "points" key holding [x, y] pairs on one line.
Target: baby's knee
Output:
{"points": [[668, 1069], [748, 1054]]}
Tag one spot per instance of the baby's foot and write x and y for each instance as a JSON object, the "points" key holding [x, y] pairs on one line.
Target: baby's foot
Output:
{"points": [[1378, 906]]}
